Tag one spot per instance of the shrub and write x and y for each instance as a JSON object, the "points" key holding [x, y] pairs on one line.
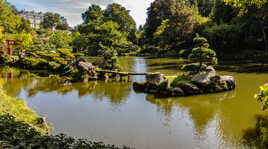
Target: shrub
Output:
{"points": [[194, 67], [180, 79], [262, 96]]}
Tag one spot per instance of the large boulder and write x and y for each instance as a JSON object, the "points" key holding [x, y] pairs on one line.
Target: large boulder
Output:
{"points": [[176, 92], [210, 82], [189, 88], [139, 86], [164, 85], [85, 66], [204, 78], [229, 81], [155, 78]]}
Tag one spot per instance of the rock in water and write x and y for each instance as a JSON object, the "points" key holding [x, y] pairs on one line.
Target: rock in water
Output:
{"points": [[177, 92], [155, 78], [204, 78], [139, 87], [230, 81], [85, 66], [189, 88]]}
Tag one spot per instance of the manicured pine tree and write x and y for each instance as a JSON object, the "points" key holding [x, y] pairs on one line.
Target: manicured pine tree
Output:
{"points": [[201, 52]]}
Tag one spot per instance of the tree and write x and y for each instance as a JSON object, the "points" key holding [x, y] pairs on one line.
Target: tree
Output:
{"points": [[244, 4], [223, 13], [1, 34], [60, 39], [97, 36], [93, 14], [201, 52], [262, 96], [50, 21], [63, 26], [158, 11], [8, 19], [120, 15], [177, 29]]}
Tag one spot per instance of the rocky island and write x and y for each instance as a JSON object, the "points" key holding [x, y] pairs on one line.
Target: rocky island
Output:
{"points": [[200, 83]]}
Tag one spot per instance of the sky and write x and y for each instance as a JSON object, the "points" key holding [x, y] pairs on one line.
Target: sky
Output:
{"points": [[72, 9]]}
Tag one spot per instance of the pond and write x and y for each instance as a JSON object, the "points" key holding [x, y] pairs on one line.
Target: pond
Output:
{"points": [[112, 112]]}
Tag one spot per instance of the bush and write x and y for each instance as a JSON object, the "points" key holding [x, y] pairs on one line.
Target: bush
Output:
{"points": [[194, 67], [262, 96], [180, 79], [223, 36], [18, 134]]}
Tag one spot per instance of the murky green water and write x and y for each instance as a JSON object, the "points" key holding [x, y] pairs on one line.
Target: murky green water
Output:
{"points": [[114, 113]]}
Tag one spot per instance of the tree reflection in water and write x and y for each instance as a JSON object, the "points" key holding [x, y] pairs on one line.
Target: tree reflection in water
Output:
{"points": [[116, 92]]}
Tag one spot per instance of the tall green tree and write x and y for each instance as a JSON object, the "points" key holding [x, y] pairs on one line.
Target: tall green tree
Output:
{"points": [[98, 36], [177, 29], [60, 39], [51, 20], [201, 52], [158, 11], [94, 13], [119, 14], [10, 21], [256, 9]]}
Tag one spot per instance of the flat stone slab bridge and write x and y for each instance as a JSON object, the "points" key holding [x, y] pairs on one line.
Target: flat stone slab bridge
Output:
{"points": [[122, 74]]}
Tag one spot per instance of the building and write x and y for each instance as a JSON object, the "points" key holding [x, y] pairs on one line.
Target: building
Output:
{"points": [[36, 18]]}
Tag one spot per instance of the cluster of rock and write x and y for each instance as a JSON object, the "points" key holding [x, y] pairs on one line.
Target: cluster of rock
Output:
{"points": [[201, 83]]}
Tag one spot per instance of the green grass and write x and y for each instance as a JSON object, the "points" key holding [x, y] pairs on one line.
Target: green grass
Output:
{"points": [[180, 79], [19, 109]]}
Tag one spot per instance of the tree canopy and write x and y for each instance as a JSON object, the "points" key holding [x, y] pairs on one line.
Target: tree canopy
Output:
{"points": [[50, 20], [93, 14], [201, 52]]}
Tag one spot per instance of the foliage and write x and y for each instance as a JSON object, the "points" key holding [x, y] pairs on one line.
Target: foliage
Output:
{"points": [[18, 108], [244, 4], [60, 39], [119, 14], [193, 67], [110, 58], [50, 20], [19, 134], [179, 27], [262, 96], [11, 22], [223, 13], [180, 78], [59, 61], [220, 35], [26, 38], [158, 11], [1, 34], [93, 14], [201, 52], [169, 26], [106, 34]]}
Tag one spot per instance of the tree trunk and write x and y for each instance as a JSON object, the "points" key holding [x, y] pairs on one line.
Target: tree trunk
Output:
{"points": [[200, 66]]}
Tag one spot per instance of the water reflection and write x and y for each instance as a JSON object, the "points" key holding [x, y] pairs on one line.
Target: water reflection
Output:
{"points": [[114, 113]]}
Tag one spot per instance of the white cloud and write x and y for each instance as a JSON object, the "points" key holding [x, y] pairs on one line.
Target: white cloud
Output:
{"points": [[72, 9]]}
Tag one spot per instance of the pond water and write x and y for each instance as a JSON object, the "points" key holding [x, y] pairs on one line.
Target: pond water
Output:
{"points": [[112, 112]]}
